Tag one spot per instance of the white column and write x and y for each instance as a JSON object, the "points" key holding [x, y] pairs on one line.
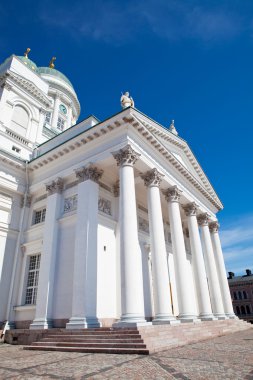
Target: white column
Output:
{"points": [[161, 283], [221, 270], [84, 301], [69, 121], [186, 310], [213, 281], [56, 110], [44, 305], [132, 303], [203, 296]]}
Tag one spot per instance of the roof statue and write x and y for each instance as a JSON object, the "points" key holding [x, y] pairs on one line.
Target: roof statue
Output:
{"points": [[126, 100], [173, 128], [27, 52], [51, 63]]}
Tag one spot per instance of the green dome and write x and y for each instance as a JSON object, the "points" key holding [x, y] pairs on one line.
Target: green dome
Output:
{"points": [[28, 62], [54, 73]]}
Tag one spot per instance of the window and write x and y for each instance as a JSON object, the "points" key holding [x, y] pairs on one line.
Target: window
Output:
{"points": [[239, 295], [20, 120], [47, 118], [60, 123], [32, 280], [16, 149], [235, 296], [39, 216], [247, 309], [243, 310], [244, 294], [238, 311]]}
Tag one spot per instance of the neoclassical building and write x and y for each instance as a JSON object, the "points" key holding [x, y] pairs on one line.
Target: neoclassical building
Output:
{"points": [[102, 223]]}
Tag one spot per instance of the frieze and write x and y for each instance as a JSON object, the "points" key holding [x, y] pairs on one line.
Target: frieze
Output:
{"points": [[105, 206], [70, 203], [143, 225]]}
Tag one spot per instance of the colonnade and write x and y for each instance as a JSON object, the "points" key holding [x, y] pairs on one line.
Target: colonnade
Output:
{"points": [[209, 273]]}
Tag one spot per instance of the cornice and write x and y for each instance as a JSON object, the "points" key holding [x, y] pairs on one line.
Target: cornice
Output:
{"points": [[6, 158], [108, 126], [26, 85]]}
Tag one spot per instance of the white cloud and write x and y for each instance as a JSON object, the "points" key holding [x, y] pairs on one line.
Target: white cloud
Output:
{"points": [[120, 22]]}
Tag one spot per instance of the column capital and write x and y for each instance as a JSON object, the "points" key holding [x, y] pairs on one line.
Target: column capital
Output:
{"points": [[56, 186], [90, 172], [214, 226], [203, 219], [152, 177], [190, 209], [126, 156], [172, 194]]}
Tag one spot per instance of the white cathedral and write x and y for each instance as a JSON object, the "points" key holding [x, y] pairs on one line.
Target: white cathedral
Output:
{"points": [[102, 223]]}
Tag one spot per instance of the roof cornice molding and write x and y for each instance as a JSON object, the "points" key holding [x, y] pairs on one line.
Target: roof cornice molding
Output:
{"points": [[10, 78]]}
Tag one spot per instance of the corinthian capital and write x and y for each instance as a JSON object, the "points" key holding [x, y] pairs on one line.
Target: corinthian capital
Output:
{"points": [[126, 156], [191, 209], [89, 172], [172, 194], [203, 219], [55, 186], [214, 226], [152, 177]]}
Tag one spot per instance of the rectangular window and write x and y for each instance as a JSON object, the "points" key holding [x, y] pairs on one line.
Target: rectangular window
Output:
{"points": [[32, 280], [60, 123], [47, 118], [39, 216]]}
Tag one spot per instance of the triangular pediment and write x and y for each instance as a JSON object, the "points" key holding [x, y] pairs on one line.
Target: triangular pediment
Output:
{"points": [[183, 157]]}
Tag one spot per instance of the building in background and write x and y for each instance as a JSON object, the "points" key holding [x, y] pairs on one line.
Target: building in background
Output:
{"points": [[102, 222], [241, 289]]}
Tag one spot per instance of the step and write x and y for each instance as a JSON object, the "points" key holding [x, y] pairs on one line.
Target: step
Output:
{"points": [[82, 344], [97, 336], [137, 351], [93, 340]]}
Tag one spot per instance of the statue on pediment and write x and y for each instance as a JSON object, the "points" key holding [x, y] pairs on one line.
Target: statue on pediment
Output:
{"points": [[126, 100]]}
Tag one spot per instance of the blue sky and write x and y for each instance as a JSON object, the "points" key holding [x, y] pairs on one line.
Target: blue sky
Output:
{"points": [[187, 60]]}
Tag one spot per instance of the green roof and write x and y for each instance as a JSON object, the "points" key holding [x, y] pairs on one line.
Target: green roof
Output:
{"points": [[54, 73], [28, 62]]}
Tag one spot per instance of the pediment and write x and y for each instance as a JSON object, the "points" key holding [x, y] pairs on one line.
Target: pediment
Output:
{"points": [[183, 157]]}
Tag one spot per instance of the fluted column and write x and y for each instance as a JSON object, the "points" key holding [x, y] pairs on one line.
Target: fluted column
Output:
{"points": [[213, 281], [84, 301], [186, 313], [221, 270], [56, 110], [44, 305], [203, 296], [131, 262], [161, 287]]}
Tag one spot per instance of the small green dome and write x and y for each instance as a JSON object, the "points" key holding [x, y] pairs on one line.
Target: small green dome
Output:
{"points": [[28, 62], [54, 73]]}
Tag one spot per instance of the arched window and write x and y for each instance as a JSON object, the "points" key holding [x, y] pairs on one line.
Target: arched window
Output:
{"points": [[240, 295], [244, 295], [20, 120], [238, 311], [247, 309], [235, 296], [243, 310]]}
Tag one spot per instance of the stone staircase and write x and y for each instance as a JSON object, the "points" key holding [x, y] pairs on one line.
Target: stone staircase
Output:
{"points": [[101, 340]]}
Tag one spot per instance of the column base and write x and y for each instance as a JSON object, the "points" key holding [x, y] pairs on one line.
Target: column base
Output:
{"points": [[165, 319], [184, 318], [83, 323], [207, 317], [231, 316], [221, 317], [41, 324], [131, 321]]}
